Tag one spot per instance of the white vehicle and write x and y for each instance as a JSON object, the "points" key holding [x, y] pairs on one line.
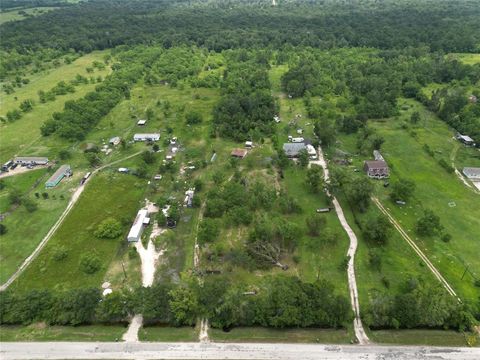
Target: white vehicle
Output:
{"points": [[298, 140], [123, 170]]}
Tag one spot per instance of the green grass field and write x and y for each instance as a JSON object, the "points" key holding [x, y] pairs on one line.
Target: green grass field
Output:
{"points": [[13, 15], [168, 334], [421, 337], [108, 194], [25, 230], [22, 137], [259, 334], [435, 190], [42, 332], [444, 193]]}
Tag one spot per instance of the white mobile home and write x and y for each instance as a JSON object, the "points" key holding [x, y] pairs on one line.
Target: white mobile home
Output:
{"points": [[146, 137], [31, 160], [138, 226]]}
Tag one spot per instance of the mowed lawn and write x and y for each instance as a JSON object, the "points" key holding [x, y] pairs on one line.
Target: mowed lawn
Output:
{"points": [[42, 332], [422, 337], [24, 229], [108, 194], [22, 136], [168, 334], [260, 334], [440, 191]]}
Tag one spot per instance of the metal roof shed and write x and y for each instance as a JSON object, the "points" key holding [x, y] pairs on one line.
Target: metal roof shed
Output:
{"points": [[61, 172]]}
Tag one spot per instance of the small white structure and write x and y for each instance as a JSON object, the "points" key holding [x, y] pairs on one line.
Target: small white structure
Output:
{"points": [[188, 202], [276, 118], [467, 140], [173, 140], [146, 137], [141, 122], [312, 153], [472, 173], [169, 157], [138, 226], [123, 170], [377, 156], [248, 144], [299, 131], [114, 140], [157, 177]]}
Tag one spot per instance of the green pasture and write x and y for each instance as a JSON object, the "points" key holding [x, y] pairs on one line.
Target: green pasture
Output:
{"points": [[13, 15]]}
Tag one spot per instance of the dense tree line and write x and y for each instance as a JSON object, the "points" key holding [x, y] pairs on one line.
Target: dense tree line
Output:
{"points": [[445, 25], [418, 305], [246, 108], [278, 302]]}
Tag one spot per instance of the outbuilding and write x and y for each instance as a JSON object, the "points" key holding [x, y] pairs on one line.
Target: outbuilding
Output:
{"points": [[312, 153], [114, 140], [30, 160], [61, 172], [239, 153], [138, 225], [472, 173], [465, 139], [141, 122]]}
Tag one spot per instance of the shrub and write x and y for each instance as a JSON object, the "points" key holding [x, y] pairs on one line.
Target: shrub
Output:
{"points": [[109, 228], [60, 253], [90, 263]]}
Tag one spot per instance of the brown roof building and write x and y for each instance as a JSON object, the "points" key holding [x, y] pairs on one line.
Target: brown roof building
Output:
{"points": [[376, 169], [239, 153]]}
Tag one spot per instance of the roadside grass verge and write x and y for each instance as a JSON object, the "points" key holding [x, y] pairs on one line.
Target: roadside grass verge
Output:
{"points": [[260, 334], [168, 334], [421, 337], [43, 332], [108, 194]]}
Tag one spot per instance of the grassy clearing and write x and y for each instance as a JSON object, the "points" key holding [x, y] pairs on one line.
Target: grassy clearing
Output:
{"points": [[22, 137], [421, 337], [108, 194], [42, 332], [469, 59], [436, 189], [168, 334], [21, 182], [6, 16], [259, 334], [25, 230]]}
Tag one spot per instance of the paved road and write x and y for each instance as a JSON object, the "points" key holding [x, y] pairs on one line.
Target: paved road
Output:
{"points": [[239, 351], [73, 201], [352, 282]]}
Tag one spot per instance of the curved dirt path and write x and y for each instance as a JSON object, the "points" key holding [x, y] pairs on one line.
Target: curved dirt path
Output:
{"points": [[71, 203], [352, 282]]}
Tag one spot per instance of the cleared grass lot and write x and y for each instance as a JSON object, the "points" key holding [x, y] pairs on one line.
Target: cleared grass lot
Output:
{"points": [[259, 334], [421, 337], [107, 195], [43, 332], [168, 334]]}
